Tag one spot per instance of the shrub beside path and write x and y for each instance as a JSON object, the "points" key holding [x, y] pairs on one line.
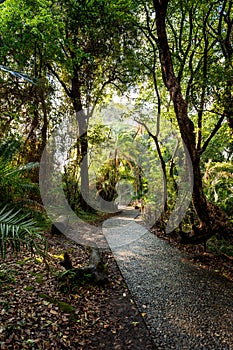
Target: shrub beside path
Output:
{"points": [[183, 306]]}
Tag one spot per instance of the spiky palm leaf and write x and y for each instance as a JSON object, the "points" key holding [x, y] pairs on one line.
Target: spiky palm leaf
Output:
{"points": [[18, 231], [16, 74], [11, 172], [13, 182]]}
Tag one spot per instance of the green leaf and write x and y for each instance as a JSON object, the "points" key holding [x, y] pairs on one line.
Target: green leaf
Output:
{"points": [[18, 230]]}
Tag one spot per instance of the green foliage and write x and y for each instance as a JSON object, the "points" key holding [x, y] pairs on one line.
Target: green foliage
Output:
{"points": [[87, 46], [218, 180], [108, 177], [217, 246], [16, 74], [68, 281], [98, 133], [70, 186], [29, 288], [89, 216], [7, 276], [13, 183], [220, 148], [63, 306], [17, 231]]}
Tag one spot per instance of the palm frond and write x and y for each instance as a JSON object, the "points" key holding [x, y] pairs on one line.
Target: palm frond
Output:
{"points": [[9, 147], [23, 168], [17, 74], [18, 231]]}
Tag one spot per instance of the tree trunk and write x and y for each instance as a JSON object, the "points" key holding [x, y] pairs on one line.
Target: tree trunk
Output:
{"points": [[226, 27], [180, 106], [82, 121]]}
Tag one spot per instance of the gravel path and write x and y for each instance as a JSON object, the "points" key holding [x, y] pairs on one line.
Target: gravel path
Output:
{"points": [[185, 307]]}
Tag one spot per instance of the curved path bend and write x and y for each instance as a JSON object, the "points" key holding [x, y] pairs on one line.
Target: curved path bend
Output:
{"points": [[184, 307]]}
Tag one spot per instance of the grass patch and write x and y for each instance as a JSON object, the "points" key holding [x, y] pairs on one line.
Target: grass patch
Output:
{"points": [[29, 288], [5, 305], [218, 247], [7, 276], [22, 262], [39, 278], [94, 217]]}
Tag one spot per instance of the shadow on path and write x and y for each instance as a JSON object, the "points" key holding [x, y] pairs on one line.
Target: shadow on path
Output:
{"points": [[185, 307]]}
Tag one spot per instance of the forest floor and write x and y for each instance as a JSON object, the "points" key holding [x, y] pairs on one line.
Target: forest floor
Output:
{"points": [[35, 313]]}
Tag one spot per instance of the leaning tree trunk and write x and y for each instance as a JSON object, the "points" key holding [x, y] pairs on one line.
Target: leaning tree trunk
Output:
{"points": [[180, 106]]}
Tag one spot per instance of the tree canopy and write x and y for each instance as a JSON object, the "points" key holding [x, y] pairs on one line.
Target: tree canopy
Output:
{"points": [[169, 63]]}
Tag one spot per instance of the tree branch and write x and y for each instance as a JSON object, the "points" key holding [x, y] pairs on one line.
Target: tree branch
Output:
{"points": [[215, 130], [50, 68]]}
